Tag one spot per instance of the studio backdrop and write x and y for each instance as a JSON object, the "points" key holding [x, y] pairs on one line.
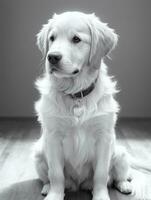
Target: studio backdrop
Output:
{"points": [[20, 59]]}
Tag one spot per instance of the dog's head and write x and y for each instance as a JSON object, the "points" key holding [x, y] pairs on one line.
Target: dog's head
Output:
{"points": [[73, 40]]}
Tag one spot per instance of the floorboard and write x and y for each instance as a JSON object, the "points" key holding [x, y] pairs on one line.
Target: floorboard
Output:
{"points": [[18, 178]]}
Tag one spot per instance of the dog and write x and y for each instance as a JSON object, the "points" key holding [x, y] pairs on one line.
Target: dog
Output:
{"points": [[77, 110]]}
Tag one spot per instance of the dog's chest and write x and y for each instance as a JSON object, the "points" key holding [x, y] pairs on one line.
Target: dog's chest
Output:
{"points": [[79, 142], [79, 149]]}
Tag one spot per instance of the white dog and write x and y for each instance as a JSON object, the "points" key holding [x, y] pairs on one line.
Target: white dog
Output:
{"points": [[77, 109]]}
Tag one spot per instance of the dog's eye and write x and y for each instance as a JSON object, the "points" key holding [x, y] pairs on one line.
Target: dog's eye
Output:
{"points": [[76, 39], [52, 38]]}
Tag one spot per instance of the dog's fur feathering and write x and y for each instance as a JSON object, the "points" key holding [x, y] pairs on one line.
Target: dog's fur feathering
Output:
{"points": [[78, 144]]}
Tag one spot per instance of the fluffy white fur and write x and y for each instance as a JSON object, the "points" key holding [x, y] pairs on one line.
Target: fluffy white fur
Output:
{"points": [[78, 144]]}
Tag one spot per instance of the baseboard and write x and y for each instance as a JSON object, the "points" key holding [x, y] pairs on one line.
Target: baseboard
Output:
{"points": [[34, 118], [19, 118]]}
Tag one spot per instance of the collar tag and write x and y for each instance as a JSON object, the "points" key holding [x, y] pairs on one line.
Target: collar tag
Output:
{"points": [[78, 111]]}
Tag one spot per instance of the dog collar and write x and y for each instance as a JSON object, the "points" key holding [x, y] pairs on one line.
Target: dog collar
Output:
{"points": [[83, 93]]}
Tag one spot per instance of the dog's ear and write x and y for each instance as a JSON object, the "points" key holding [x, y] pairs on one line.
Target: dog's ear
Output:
{"points": [[42, 37], [103, 40]]}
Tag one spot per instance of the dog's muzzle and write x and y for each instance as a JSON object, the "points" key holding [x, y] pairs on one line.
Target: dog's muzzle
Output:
{"points": [[54, 60]]}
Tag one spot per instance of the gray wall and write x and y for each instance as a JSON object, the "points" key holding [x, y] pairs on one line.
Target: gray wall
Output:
{"points": [[20, 58]]}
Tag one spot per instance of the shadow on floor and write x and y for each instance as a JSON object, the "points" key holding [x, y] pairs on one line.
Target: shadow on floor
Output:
{"points": [[30, 190]]}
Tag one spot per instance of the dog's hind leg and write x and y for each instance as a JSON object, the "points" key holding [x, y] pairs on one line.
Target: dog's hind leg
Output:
{"points": [[120, 171]]}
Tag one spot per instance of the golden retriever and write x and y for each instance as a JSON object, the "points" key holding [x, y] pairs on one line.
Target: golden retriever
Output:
{"points": [[77, 109]]}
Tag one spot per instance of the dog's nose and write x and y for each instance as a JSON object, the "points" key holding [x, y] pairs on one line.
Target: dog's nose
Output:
{"points": [[75, 72], [54, 58]]}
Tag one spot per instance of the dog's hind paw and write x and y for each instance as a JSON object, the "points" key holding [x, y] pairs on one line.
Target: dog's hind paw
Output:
{"points": [[45, 189], [124, 187]]}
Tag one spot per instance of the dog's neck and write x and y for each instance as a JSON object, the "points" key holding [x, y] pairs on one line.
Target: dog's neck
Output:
{"points": [[77, 87], [82, 93]]}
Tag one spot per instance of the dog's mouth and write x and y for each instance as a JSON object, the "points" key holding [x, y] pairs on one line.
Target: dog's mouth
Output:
{"points": [[57, 71], [53, 69]]}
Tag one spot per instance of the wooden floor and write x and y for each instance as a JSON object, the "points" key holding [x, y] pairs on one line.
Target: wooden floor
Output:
{"points": [[18, 178]]}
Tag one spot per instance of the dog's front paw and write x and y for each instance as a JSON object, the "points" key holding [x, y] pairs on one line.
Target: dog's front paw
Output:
{"points": [[54, 196], [101, 195]]}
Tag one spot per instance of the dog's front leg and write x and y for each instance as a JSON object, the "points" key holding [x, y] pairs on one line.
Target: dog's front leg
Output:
{"points": [[54, 156], [101, 167]]}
